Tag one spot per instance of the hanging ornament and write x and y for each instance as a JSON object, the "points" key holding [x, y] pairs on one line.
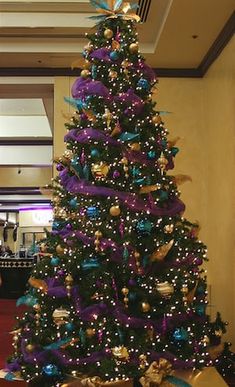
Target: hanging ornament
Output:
{"points": [[94, 71], [86, 64], [90, 332], [200, 309], [60, 250], [85, 73], [143, 84], [114, 55], [90, 263], [124, 161], [145, 307], [143, 361], [121, 353], [55, 261], [125, 292], [162, 162], [37, 316], [144, 227], [115, 211], [60, 316], [134, 48], [184, 291], [180, 334], [156, 120], [137, 261], [135, 147], [68, 282], [125, 253], [190, 296], [113, 74], [107, 116], [50, 370], [169, 228], [115, 45], [100, 170], [93, 212], [161, 252], [116, 130], [95, 153], [30, 348], [98, 235], [116, 174], [108, 34], [165, 289], [73, 203]]}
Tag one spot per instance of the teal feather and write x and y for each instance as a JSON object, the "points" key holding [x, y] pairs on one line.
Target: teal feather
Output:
{"points": [[26, 300], [99, 4], [9, 376], [118, 4], [57, 344]]}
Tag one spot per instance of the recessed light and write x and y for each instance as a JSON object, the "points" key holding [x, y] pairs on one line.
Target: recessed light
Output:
{"points": [[194, 36]]}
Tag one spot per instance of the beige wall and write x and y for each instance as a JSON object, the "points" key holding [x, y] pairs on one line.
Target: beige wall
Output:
{"points": [[202, 115], [29, 177]]}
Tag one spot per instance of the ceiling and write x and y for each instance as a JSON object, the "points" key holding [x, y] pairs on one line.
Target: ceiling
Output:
{"points": [[45, 34], [42, 35]]}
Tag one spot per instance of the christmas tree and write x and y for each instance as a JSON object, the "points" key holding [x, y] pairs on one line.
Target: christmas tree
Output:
{"points": [[120, 292]]}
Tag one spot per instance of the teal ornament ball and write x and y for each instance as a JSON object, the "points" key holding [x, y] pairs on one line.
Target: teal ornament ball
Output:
{"points": [[200, 309], [95, 153], [73, 203], [69, 326], [180, 334], [163, 195], [56, 225], [51, 370], [92, 212], [114, 55], [144, 227], [55, 261]]}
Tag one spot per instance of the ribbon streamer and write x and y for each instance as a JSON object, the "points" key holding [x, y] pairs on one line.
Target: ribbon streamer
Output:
{"points": [[113, 9]]}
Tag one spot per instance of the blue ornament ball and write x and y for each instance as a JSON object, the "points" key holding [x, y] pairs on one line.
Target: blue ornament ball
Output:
{"points": [[73, 203], [143, 83], [51, 370], [144, 227], [55, 261], [92, 212], [180, 334], [163, 195], [174, 151], [114, 55], [95, 152]]}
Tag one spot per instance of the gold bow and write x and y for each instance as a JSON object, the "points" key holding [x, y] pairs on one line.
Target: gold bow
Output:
{"points": [[113, 12], [156, 372]]}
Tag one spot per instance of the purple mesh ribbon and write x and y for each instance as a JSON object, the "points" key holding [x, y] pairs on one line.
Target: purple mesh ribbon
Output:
{"points": [[86, 135], [82, 88], [133, 201]]}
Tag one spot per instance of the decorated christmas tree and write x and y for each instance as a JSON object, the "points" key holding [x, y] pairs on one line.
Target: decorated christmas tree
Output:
{"points": [[120, 292]]}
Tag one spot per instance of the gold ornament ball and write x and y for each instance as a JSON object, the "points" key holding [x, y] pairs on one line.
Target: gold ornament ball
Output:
{"points": [[113, 74], [145, 307], [108, 34], [30, 348], [134, 48], [90, 332], [85, 73], [59, 250], [115, 211], [156, 119]]}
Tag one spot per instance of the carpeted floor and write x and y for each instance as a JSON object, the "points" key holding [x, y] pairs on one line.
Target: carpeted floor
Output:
{"points": [[8, 311]]}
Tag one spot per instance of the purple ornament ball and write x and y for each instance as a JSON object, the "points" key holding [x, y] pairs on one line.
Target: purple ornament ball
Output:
{"points": [[116, 174], [61, 272], [59, 167], [132, 282], [83, 116], [69, 227], [198, 261]]}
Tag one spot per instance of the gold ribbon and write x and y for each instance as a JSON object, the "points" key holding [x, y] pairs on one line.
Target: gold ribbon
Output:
{"points": [[156, 372], [121, 11]]}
